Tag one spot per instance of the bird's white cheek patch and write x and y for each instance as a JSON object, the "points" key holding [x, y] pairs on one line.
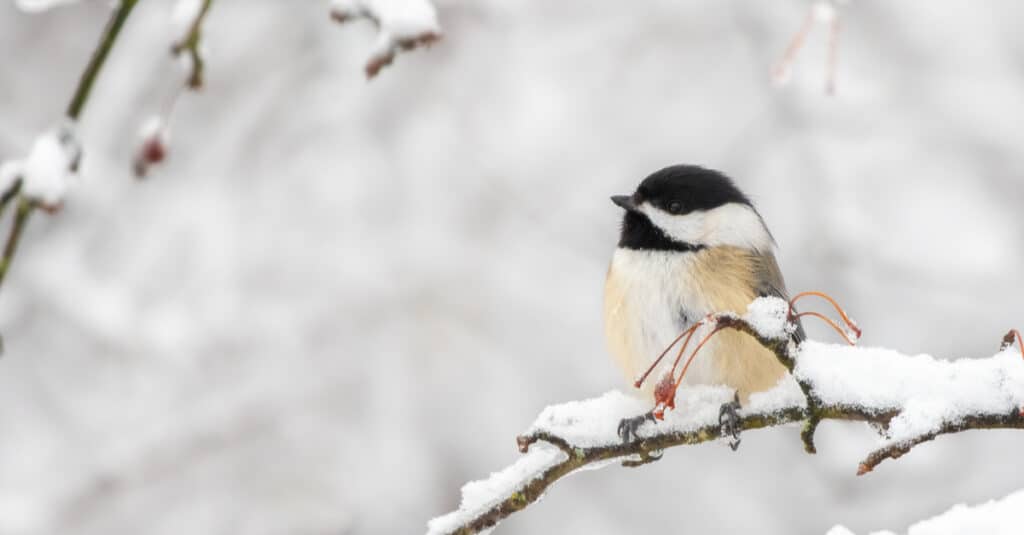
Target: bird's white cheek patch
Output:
{"points": [[688, 228], [737, 224], [729, 224]]}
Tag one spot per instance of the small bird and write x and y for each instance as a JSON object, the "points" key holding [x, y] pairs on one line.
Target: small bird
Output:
{"points": [[691, 244]]}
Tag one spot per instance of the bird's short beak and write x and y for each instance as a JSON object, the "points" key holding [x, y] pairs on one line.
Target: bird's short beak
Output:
{"points": [[625, 201]]}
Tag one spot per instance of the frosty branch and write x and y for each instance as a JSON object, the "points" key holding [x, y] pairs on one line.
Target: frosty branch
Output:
{"points": [[910, 399], [62, 140]]}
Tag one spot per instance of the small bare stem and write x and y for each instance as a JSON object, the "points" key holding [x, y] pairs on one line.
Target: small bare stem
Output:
{"points": [[784, 65], [190, 43], [828, 321], [74, 112], [8, 195], [25, 207], [639, 382], [694, 354], [99, 57], [842, 313]]}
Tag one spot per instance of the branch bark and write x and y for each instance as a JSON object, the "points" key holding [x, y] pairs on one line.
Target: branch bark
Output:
{"points": [[647, 448]]}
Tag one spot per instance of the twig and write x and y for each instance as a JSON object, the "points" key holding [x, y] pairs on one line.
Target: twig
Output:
{"points": [[782, 69], [99, 57], [1012, 420], [190, 43], [8, 195], [25, 208], [74, 111]]}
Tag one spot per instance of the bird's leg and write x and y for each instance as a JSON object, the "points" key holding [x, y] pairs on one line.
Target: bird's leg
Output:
{"points": [[729, 421], [629, 426]]}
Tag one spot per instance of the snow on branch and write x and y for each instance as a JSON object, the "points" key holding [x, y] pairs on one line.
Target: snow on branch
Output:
{"points": [[912, 399], [402, 25], [42, 178]]}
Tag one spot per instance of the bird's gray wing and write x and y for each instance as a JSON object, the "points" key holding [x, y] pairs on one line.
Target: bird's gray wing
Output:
{"points": [[771, 283]]}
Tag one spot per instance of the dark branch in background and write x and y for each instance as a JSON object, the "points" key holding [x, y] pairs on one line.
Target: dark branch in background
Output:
{"points": [[8, 195], [25, 208], [154, 137], [99, 57], [647, 449], [74, 111], [190, 43], [392, 40]]}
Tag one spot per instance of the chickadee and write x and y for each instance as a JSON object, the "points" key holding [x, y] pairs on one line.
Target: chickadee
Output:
{"points": [[692, 244]]}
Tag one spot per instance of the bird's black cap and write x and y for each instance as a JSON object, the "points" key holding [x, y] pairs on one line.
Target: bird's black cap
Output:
{"points": [[678, 189], [694, 187]]}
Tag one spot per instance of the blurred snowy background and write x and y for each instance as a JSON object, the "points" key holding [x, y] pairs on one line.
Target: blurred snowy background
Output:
{"points": [[338, 300]]}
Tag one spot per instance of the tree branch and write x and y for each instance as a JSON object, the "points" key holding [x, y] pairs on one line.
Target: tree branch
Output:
{"points": [[74, 110], [584, 432], [99, 58], [190, 43]]}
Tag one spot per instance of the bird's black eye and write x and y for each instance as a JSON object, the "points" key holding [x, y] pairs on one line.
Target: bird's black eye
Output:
{"points": [[674, 207]]}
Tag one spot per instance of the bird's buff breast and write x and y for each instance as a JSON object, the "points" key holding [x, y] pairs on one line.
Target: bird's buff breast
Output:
{"points": [[653, 296]]}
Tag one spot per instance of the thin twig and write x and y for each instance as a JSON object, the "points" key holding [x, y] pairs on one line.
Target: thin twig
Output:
{"points": [[99, 57], [785, 65], [25, 208], [1011, 420], [74, 111], [190, 43], [8, 195]]}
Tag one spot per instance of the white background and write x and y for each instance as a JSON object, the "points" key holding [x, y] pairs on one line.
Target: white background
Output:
{"points": [[341, 300]]}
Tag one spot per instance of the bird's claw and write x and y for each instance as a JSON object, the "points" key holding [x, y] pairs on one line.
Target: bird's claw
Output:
{"points": [[629, 426], [729, 422]]}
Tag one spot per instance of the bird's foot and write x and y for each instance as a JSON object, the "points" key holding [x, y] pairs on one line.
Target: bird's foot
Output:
{"points": [[729, 422], [629, 426]]}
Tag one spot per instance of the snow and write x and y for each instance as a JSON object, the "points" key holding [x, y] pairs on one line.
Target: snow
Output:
{"points": [[996, 517], [931, 391], [767, 315], [36, 6], [400, 23], [398, 19], [478, 496], [594, 422], [51, 166]]}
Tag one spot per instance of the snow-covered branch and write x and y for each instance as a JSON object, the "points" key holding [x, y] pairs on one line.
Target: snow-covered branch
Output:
{"points": [[402, 25], [42, 178], [911, 399]]}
